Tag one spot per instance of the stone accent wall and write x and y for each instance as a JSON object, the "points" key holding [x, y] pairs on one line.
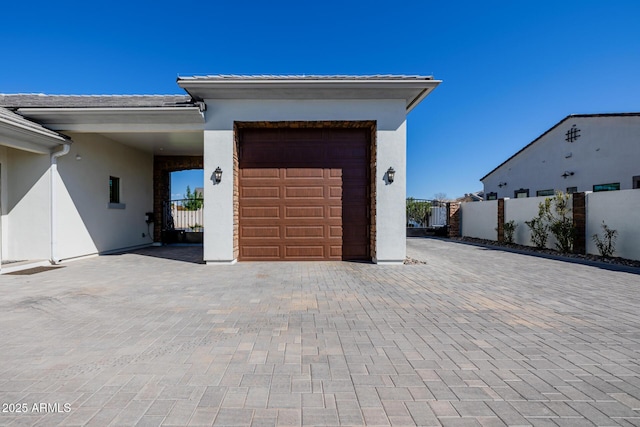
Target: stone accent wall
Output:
{"points": [[500, 220], [162, 168], [366, 124], [453, 219], [236, 192], [579, 223]]}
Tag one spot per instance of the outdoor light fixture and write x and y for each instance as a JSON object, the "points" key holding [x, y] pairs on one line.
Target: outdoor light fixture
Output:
{"points": [[217, 175], [566, 174], [391, 174], [502, 184]]}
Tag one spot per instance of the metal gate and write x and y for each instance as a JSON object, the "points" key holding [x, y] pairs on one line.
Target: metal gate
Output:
{"points": [[182, 221]]}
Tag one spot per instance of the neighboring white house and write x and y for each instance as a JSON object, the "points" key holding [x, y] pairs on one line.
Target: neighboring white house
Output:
{"points": [[296, 167], [583, 152]]}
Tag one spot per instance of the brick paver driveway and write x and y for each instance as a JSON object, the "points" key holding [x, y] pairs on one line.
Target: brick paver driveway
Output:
{"points": [[472, 337]]}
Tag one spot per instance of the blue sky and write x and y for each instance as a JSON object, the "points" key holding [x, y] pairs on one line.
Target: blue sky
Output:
{"points": [[510, 69]]}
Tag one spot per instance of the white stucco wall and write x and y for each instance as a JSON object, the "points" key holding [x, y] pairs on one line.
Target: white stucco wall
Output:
{"points": [[607, 151], [85, 223], [521, 210], [26, 224], [480, 219], [390, 116], [618, 209], [3, 201]]}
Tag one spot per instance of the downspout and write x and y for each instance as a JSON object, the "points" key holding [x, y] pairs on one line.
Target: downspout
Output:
{"points": [[54, 174]]}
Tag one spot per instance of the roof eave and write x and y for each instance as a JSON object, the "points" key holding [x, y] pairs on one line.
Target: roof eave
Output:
{"points": [[40, 141], [107, 119], [202, 88]]}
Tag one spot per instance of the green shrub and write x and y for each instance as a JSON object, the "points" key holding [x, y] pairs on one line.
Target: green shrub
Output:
{"points": [[554, 215], [560, 219], [538, 232], [509, 229], [607, 244]]}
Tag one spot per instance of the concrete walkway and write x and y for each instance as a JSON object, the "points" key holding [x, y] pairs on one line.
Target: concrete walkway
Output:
{"points": [[474, 337]]}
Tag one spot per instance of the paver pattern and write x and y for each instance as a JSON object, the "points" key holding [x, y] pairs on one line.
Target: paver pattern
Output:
{"points": [[474, 337]]}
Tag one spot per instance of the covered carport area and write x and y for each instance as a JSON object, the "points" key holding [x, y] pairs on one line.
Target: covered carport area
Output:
{"points": [[134, 139]]}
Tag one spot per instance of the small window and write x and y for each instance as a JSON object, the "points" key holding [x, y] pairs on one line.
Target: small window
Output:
{"points": [[606, 187], [492, 196], [571, 190], [545, 193], [114, 189], [636, 181], [521, 193]]}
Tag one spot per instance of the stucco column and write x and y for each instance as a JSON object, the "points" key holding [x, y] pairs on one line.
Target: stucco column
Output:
{"points": [[391, 241], [218, 206]]}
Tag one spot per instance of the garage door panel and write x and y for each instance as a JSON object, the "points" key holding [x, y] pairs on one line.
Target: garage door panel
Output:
{"points": [[304, 192], [260, 192], [259, 173], [302, 231], [354, 213], [354, 194], [354, 251], [302, 135], [260, 252], [304, 212], [260, 212], [348, 152], [335, 251], [260, 232], [335, 192], [355, 175], [335, 211], [356, 232], [303, 173], [305, 252]]}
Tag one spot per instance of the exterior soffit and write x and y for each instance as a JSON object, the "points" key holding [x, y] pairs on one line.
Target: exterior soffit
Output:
{"points": [[412, 91], [161, 119]]}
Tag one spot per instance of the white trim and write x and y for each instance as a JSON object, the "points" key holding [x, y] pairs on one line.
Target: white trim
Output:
{"points": [[232, 262], [54, 205], [388, 262], [40, 141]]}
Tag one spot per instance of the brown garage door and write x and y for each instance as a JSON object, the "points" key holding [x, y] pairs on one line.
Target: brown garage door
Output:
{"points": [[304, 194]]}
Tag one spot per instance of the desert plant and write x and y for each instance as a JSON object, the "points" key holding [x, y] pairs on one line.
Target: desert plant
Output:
{"points": [[539, 231], [538, 226], [554, 215], [607, 244], [557, 211], [509, 230]]}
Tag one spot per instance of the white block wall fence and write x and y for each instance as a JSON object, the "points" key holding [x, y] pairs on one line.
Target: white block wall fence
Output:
{"points": [[618, 210], [479, 220]]}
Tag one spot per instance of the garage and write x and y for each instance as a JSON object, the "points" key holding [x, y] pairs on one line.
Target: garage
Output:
{"points": [[304, 194]]}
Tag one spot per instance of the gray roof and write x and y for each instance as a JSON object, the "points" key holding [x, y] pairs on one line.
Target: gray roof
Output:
{"points": [[222, 77], [16, 120], [15, 101]]}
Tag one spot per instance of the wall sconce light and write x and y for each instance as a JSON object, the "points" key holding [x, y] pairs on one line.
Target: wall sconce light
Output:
{"points": [[502, 184], [566, 174], [391, 175], [217, 175]]}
